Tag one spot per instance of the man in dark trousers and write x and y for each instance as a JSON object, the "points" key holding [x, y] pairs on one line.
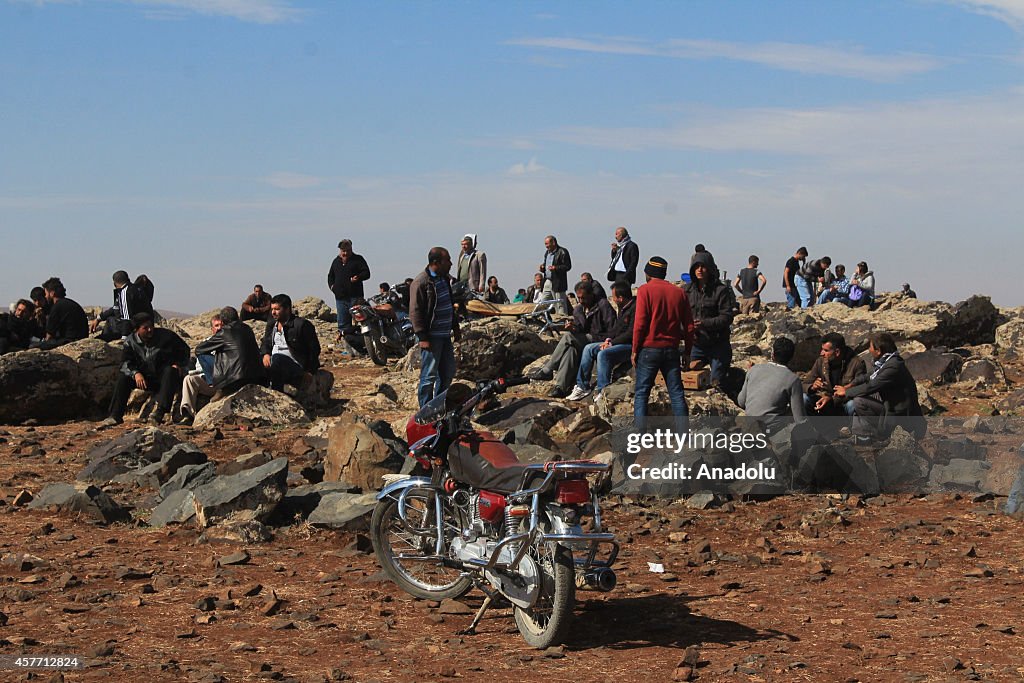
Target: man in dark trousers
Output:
{"points": [[592, 321], [610, 351], [789, 275], [888, 396], [154, 359], [556, 266], [625, 258], [66, 320], [663, 320], [17, 329], [432, 313], [290, 348], [129, 301], [836, 365], [712, 303], [345, 278], [256, 306]]}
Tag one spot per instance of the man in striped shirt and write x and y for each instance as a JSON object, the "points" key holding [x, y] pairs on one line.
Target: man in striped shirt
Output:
{"points": [[435, 323]]}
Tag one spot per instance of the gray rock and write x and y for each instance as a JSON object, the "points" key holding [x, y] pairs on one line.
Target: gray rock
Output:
{"points": [[580, 427], [313, 308], [177, 507], [530, 454], [934, 366], [188, 478], [902, 463], [253, 405], [244, 462], [792, 441], [496, 347], [835, 467], [983, 371], [300, 501], [960, 447], [977, 425], [252, 494], [79, 498], [348, 511], [960, 475], [157, 473], [1015, 501], [518, 411], [131, 451]]}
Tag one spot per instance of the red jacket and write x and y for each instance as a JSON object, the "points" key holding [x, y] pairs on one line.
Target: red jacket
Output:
{"points": [[663, 317]]}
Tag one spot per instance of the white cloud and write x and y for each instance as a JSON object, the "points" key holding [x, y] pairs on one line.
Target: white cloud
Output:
{"points": [[255, 11], [286, 180], [523, 169], [1010, 12], [850, 62]]}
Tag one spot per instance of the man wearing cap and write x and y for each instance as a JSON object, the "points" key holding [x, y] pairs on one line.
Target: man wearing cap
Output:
{"points": [[472, 266], [663, 319], [345, 278]]}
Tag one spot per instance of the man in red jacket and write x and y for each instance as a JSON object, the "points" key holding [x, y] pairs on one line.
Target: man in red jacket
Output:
{"points": [[663, 319]]}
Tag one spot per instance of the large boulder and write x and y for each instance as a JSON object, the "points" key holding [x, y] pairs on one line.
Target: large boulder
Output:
{"points": [[249, 495], [960, 475], [252, 405], [835, 467], [902, 463], [934, 366], [130, 451], [80, 498], [360, 452], [157, 474], [496, 347], [313, 308], [1010, 333]]}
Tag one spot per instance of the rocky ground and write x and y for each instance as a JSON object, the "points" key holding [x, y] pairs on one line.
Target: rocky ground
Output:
{"points": [[799, 587]]}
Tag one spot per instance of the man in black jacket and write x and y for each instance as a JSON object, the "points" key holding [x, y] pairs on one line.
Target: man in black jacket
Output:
{"points": [[613, 349], [17, 329], [625, 257], [556, 266], [888, 396], [712, 303], [290, 349], [236, 363], [154, 359], [345, 278], [432, 313], [65, 321], [592, 320], [128, 302]]}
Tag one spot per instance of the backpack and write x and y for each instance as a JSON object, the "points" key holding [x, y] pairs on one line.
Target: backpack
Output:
{"points": [[856, 293]]}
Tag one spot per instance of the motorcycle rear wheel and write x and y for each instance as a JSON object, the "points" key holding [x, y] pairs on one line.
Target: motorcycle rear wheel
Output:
{"points": [[425, 579], [547, 622], [378, 354]]}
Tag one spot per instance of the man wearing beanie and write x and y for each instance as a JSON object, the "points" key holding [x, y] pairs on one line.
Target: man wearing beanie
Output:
{"points": [[663, 320]]}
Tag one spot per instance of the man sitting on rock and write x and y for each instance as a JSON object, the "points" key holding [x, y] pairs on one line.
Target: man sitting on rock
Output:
{"points": [[494, 293], [199, 381], [535, 293], [616, 348], [128, 302], [66, 320], [771, 391], [838, 289], [598, 288], [236, 363], [290, 349], [19, 328], [256, 306], [887, 397], [592, 321], [837, 365], [154, 359]]}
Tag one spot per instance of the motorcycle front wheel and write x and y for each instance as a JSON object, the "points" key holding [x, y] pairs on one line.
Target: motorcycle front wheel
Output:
{"points": [[403, 553], [547, 622], [378, 354]]}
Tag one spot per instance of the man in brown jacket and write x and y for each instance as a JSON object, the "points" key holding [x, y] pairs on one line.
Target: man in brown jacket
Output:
{"points": [[837, 365], [256, 306]]}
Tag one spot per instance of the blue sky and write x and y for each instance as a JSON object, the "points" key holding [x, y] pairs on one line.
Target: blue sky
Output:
{"points": [[216, 144]]}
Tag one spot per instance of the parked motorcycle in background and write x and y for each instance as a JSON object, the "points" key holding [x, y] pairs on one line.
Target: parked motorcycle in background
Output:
{"points": [[384, 326], [481, 518]]}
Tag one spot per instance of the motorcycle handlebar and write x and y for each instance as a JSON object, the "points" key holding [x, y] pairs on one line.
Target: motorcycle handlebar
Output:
{"points": [[514, 381]]}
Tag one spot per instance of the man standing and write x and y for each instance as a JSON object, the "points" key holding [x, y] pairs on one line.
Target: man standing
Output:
{"points": [[236, 363], [663, 319], [256, 306], [290, 348], [625, 258], [888, 394], [772, 391], [749, 283], [433, 320], [809, 277], [712, 304], [472, 268], [591, 322], [128, 302], [789, 275], [154, 360], [610, 352], [345, 278], [66, 321], [836, 365], [556, 266]]}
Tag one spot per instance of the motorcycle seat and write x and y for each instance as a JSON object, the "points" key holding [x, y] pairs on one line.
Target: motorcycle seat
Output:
{"points": [[484, 462]]}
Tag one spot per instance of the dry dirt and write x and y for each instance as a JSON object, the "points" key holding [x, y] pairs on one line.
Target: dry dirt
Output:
{"points": [[810, 588]]}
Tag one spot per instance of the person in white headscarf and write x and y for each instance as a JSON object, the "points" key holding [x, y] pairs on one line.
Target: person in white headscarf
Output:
{"points": [[472, 265]]}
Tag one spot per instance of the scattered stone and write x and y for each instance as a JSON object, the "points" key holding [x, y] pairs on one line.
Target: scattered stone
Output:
{"points": [[80, 498], [241, 557], [360, 452], [450, 606]]}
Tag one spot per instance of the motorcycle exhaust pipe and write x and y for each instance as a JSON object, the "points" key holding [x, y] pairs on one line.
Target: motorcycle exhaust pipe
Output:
{"points": [[601, 579]]}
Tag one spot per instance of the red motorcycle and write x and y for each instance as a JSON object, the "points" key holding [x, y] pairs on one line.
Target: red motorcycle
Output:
{"points": [[481, 518]]}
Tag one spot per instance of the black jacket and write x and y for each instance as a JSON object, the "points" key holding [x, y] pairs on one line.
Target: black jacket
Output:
{"points": [[339, 277], [302, 342], [66, 321], [622, 330], [596, 323], [164, 349], [560, 275], [712, 306], [237, 355], [598, 289], [498, 297], [128, 301], [18, 331], [894, 385], [423, 300], [630, 259]]}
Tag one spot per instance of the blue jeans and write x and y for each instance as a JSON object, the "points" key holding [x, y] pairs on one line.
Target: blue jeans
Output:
{"points": [[649, 362], [344, 315], [206, 362], [792, 298], [719, 355], [809, 401], [806, 290], [606, 362], [437, 368]]}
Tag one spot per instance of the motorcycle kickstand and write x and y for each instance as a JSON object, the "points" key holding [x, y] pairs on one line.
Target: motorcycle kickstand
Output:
{"points": [[488, 599]]}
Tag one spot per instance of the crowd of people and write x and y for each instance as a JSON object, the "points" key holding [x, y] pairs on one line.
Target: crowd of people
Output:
{"points": [[660, 327]]}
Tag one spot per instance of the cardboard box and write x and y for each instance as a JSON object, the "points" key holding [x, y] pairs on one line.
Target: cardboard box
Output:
{"points": [[697, 380]]}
